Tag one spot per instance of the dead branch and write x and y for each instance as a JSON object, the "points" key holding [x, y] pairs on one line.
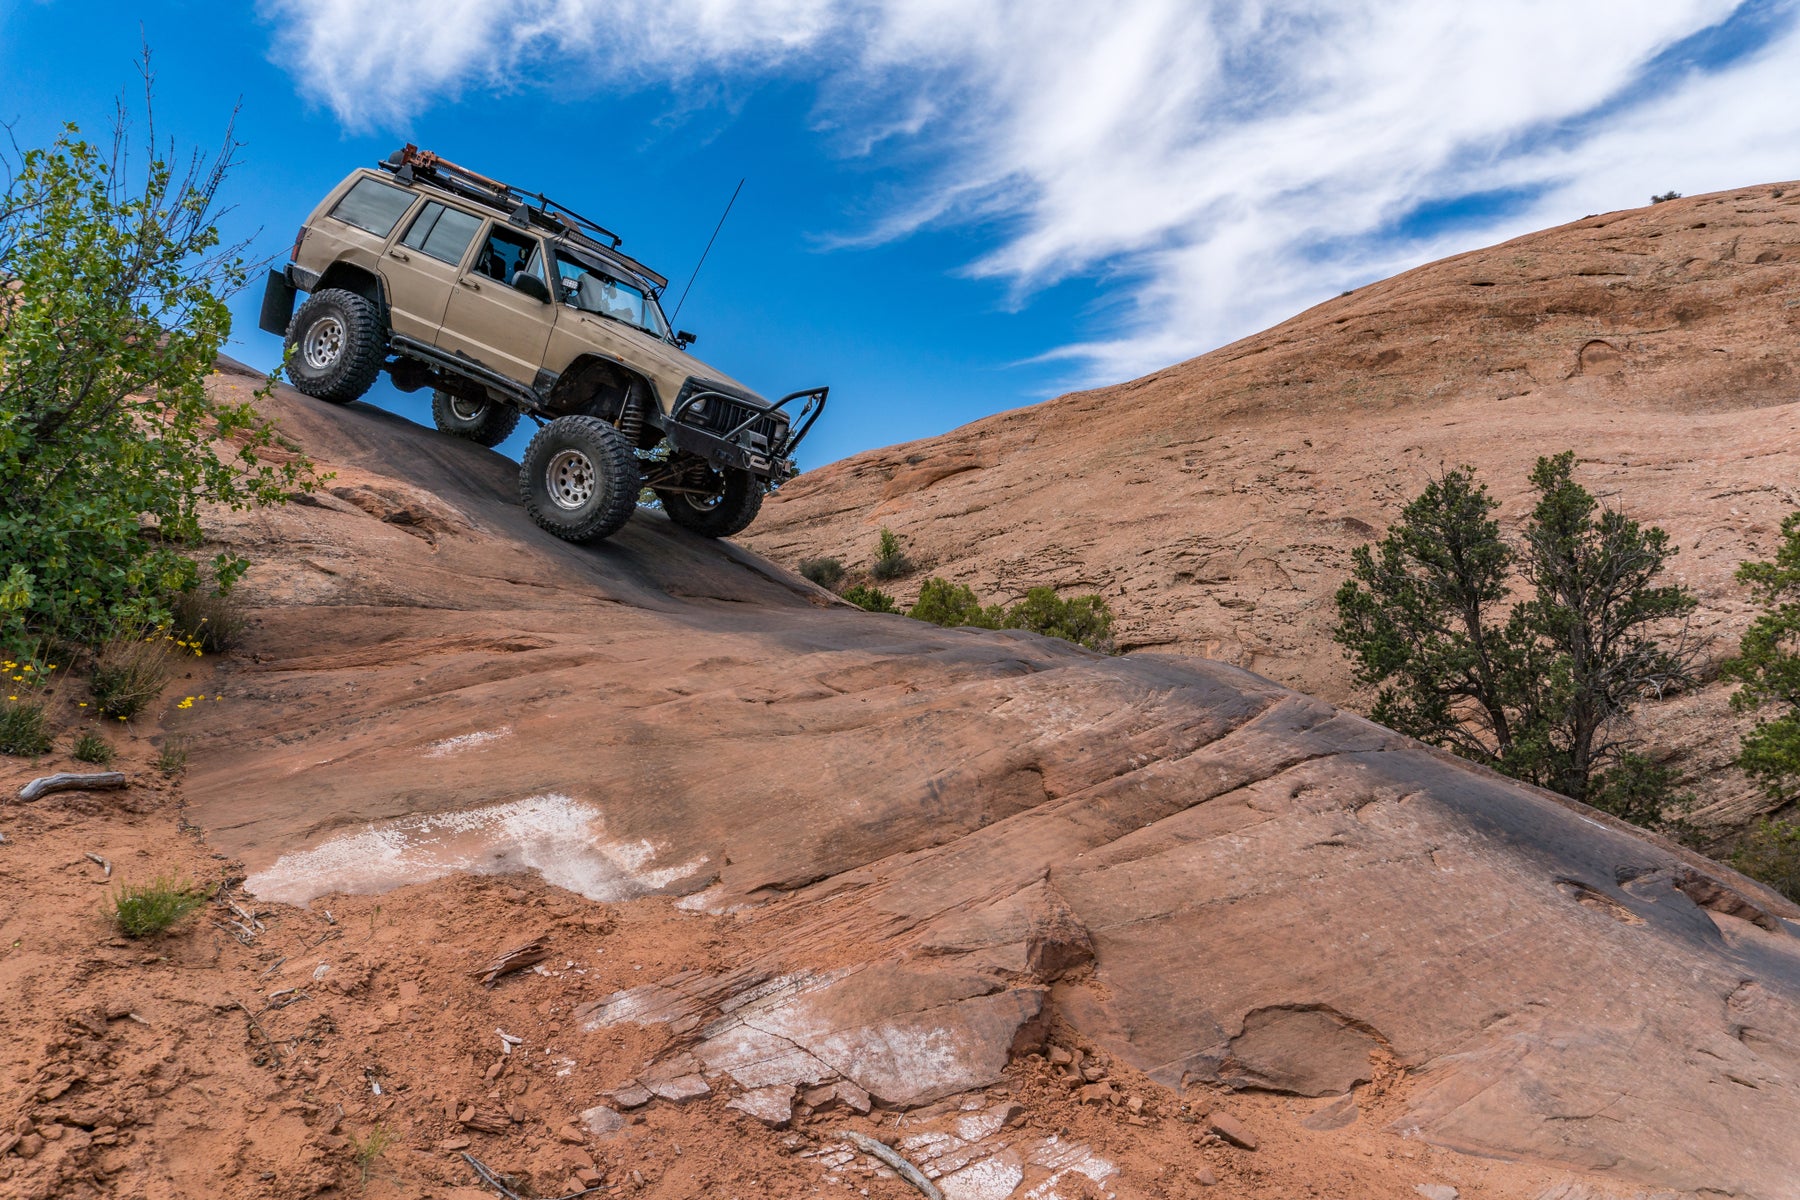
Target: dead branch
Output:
{"points": [[519, 957], [886, 1154], [65, 781]]}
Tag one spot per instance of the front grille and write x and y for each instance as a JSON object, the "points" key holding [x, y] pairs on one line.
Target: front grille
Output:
{"points": [[723, 413]]}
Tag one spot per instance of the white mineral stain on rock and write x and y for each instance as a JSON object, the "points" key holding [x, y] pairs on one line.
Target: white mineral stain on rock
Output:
{"points": [[562, 839], [467, 741]]}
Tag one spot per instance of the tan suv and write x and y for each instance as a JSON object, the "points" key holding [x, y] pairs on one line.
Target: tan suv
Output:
{"points": [[505, 302]]}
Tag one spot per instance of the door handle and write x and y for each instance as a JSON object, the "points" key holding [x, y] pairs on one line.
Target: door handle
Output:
{"points": [[470, 284], [401, 255]]}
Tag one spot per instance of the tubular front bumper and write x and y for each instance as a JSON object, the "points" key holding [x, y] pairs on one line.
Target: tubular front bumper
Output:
{"points": [[738, 447]]}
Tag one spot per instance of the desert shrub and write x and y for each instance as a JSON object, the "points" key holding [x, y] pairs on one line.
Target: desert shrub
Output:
{"points": [[1637, 789], [129, 674], [1084, 620], [1671, 195], [145, 910], [90, 747], [1770, 853], [110, 443], [949, 604], [870, 599], [206, 617], [367, 1151], [1768, 665], [172, 756], [24, 730], [826, 572], [891, 561], [1538, 689]]}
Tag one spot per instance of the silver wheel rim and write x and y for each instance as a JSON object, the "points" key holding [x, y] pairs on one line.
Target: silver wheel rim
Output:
{"points": [[570, 476], [466, 410], [324, 343]]}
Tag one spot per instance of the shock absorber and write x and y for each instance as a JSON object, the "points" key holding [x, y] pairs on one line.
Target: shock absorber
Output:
{"points": [[631, 414]]}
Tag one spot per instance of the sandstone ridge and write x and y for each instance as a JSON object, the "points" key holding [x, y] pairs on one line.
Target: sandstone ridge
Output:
{"points": [[940, 844], [1215, 503]]}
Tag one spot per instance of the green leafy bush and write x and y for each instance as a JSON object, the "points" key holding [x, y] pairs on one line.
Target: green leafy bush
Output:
{"points": [[24, 730], [90, 747], [1665, 197], [1539, 689], [1768, 665], [112, 315], [870, 599], [826, 572], [130, 674], [145, 910], [949, 604], [1084, 620], [891, 561], [1771, 853]]}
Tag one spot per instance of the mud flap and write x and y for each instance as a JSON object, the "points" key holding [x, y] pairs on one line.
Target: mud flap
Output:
{"points": [[277, 304]]}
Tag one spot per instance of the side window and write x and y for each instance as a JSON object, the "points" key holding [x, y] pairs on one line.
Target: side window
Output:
{"points": [[507, 252], [442, 232], [373, 206]]}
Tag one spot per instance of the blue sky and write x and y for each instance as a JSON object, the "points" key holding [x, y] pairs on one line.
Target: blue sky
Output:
{"points": [[955, 208]]}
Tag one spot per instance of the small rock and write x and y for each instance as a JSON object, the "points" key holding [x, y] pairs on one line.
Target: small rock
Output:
{"points": [[587, 1177], [680, 1089], [1093, 1072], [773, 1106], [1135, 1104], [493, 1072], [1436, 1191], [632, 1095], [1204, 1176], [1231, 1129], [574, 1136], [1010, 1113], [1095, 1093], [601, 1120], [1060, 1056], [30, 1146], [454, 1143], [51, 1131]]}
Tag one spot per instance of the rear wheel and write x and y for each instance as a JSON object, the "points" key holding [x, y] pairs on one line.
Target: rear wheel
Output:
{"points": [[734, 499], [579, 479], [484, 422], [335, 346]]}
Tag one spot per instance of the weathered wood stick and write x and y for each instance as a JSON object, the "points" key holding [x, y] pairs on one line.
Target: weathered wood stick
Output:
{"points": [[517, 958], [904, 1169], [65, 781]]}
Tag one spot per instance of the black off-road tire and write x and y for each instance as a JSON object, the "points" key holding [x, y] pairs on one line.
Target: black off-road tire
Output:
{"points": [[731, 511], [486, 423], [337, 346], [579, 479]]}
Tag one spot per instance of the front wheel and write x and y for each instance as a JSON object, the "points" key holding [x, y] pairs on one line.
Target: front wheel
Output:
{"points": [[335, 346], [735, 499], [579, 479], [484, 422]]}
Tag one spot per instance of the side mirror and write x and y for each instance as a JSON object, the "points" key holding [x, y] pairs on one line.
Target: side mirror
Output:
{"points": [[684, 339], [531, 285]]}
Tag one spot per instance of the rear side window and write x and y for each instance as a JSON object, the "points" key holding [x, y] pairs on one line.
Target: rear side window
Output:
{"points": [[373, 206], [442, 232]]}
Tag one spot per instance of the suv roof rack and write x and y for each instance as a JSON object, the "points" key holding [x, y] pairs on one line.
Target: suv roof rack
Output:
{"points": [[410, 163]]}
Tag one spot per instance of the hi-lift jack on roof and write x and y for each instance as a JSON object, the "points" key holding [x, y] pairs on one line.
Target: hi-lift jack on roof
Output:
{"points": [[523, 208]]}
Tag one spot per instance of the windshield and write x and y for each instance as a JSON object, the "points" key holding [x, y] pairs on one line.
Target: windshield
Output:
{"points": [[592, 288]]}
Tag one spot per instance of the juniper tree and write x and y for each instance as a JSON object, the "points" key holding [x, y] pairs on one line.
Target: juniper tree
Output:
{"points": [[1768, 665], [1538, 687]]}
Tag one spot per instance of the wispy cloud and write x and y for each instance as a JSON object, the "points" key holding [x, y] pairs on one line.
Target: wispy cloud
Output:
{"points": [[1224, 162]]}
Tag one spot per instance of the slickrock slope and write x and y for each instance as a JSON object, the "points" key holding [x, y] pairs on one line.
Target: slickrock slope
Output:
{"points": [[1215, 503], [930, 850]]}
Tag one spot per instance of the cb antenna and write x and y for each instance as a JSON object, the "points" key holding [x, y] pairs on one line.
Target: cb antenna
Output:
{"points": [[708, 250]]}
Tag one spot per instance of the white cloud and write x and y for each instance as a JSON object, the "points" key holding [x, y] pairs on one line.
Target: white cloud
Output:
{"points": [[1225, 162]]}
